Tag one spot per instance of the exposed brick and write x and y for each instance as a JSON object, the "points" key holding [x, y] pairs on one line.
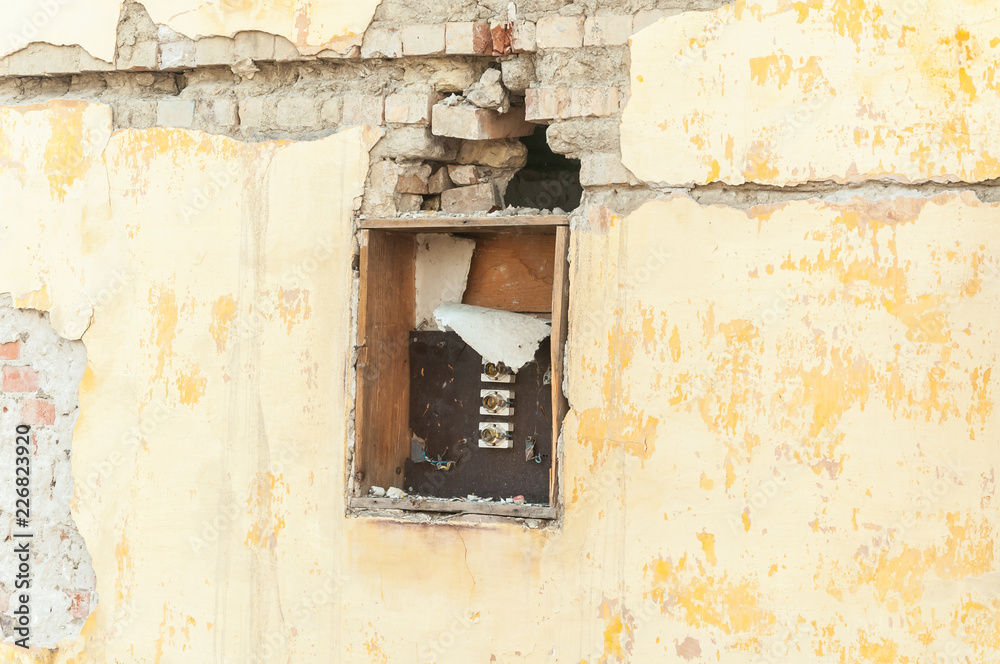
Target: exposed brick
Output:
{"points": [[604, 168], [177, 55], [607, 30], [439, 181], [522, 37], [479, 124], [175, 112], [10, 350], [298, 112], [38, 412], [468, 38], [416, 142], [464, 174], [410, 108], [143, 55], [363, 109], [559, 32], [19, 379], [254, 112], [382, 43], [517, 73], [559, 103], [470, 200], [330, 113], [253, 45], [214, 51], [412, 179], [500, 34], [225, 112], [136, 113], [79, 604], [423, 39]]}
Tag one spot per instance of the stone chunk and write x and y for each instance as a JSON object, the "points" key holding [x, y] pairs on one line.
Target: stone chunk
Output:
{"points": [[254, 45], [517, 73], [470, 200], [479, 124], [439, 181], [501, 153], [464, 174], [423, 39], [559, 32], [489, 92], [468, 38], [299, 112], [604, 168]]}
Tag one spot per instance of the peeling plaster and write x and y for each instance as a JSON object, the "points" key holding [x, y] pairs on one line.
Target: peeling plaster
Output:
{"points": [[92, 24], [312, 26]]}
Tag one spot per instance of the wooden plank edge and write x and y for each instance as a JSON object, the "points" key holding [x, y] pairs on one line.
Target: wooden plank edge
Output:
{"points": [[454, 507], [420, 223]]}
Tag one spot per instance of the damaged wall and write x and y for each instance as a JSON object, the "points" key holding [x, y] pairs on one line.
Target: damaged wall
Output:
{"points": [[780, 447]]}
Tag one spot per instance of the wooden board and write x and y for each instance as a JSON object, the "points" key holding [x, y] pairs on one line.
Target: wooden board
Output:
{"points": [[425, 223], [513, 272], [455, 507], [560, 327], [385, 316]]}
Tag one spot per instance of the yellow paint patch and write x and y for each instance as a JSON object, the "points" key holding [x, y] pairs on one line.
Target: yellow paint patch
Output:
{"points": [[223, 313]]}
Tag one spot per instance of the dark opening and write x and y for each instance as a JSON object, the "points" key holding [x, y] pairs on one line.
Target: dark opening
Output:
{"points": [[548, 180]]}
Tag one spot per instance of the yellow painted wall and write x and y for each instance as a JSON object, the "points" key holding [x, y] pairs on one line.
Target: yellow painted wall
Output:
{"points": [[781, 92], [779, 449]]}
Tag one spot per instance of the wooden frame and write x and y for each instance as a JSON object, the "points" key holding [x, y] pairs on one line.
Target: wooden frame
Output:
{"points": [[385, 318]]}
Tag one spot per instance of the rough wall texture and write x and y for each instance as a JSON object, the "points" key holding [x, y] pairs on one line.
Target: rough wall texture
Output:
{"points": [[781, 439]]}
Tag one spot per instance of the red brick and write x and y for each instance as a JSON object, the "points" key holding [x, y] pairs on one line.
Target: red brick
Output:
{"points": [[468, 38], [500, 34], [19, 379], [10, 350], [80, 604], [38, 412]]}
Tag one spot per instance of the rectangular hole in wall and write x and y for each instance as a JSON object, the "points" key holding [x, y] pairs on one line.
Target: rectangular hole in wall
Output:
{"points": [[438, 306]]}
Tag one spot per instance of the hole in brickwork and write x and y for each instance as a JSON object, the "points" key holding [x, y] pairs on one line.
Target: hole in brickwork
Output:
{"points": [[548, 180]]}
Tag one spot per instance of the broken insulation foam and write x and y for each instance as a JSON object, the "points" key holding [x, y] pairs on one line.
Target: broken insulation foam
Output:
{"points": [[499, 336]]}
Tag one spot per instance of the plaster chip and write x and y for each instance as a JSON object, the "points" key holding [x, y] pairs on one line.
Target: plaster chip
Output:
{"points": [[442, 273], [499, 336], [781, 93], [92, 24], [312, 26]]}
